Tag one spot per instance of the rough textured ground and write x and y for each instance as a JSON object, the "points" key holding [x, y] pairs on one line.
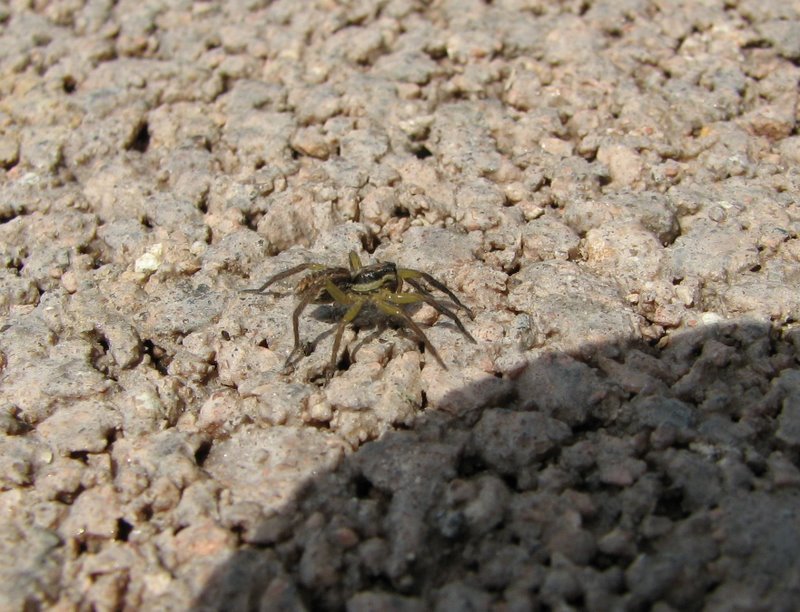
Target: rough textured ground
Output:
{"points": [[612, 186]]}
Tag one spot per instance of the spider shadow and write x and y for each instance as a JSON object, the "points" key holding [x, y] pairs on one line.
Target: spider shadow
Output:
{"points": [[369, 319], [332, 314]]}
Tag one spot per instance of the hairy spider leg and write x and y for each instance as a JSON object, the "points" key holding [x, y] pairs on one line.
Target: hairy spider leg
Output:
{"points": [[355, 262], [424, 296], [348, 317], [411, 275], [340, 297], [285, 274], [398, 312], [307, 297], [402, 297]]}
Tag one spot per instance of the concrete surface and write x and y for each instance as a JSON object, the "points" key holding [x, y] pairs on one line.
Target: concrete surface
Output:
{"points": [[613, 188]]}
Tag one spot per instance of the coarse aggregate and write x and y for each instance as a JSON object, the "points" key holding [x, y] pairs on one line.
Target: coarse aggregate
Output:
{"points": [[612, 186]]}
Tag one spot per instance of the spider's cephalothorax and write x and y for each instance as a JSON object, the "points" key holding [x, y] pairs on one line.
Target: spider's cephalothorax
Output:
{"points": [[380, 285]]}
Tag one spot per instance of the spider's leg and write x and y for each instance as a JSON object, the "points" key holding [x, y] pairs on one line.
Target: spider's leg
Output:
{"points": [[339, 296], [348, 317], [424, 296], [284, 274], [440, 307], [411, 276], [398, 312], [305, 300], [355, 262]]}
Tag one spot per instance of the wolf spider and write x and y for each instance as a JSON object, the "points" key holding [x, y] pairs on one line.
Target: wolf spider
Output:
{"points": [[379, 285]]}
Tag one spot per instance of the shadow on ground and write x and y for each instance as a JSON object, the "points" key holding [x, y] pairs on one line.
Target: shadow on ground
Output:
{"points": [[624, 477]]}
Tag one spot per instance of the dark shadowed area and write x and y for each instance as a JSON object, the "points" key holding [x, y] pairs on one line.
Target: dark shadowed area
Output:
{"points": [[633, 477]]}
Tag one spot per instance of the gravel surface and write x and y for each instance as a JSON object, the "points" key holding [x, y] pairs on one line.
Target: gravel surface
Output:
{"points": [[613, 187]]}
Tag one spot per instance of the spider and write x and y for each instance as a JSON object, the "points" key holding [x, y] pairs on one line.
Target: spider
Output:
{"points": [[379, 285]]}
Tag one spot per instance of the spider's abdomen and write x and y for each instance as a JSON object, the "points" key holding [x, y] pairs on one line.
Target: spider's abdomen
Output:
{"points": [[374, 277]]}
